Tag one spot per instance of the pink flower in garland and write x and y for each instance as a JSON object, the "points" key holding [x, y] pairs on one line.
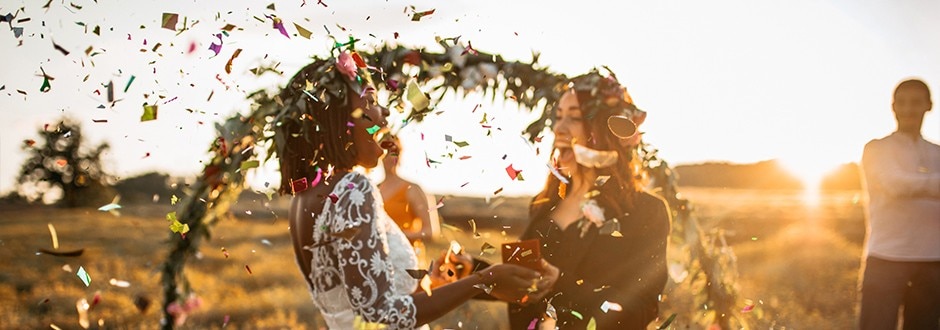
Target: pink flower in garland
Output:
{"points": [[181, 311], [346, 65]]}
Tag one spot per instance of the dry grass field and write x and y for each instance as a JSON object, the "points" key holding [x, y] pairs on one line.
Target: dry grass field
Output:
{"points": [[798, 262]]}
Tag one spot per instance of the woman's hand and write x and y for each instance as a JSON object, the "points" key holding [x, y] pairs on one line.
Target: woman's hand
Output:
{"points": [[510, 283], [546, 283], [451, 267]]}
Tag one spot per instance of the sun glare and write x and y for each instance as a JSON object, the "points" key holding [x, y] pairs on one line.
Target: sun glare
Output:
{"points": [[810, 172]]}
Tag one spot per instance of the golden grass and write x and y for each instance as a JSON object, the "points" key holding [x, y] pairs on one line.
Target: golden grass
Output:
{"points": [[799, 264]]}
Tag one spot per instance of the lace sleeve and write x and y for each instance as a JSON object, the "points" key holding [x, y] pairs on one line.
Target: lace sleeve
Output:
{"points": [[363, 256]]}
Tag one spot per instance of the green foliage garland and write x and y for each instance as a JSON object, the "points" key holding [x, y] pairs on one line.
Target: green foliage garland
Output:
{"points": [[457, 69]]}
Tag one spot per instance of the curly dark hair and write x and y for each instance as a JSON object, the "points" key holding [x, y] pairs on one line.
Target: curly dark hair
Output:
{"points": [[311, 130]]}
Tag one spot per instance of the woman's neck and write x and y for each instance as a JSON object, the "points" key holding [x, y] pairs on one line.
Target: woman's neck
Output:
{"points": [[583, 181]]}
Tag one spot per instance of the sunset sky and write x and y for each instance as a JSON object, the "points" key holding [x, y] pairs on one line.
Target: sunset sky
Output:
{"points": [[807, 82]]}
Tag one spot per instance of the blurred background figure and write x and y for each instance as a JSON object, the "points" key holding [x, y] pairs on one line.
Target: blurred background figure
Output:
{"points": [[412, 209], [902, 254]]}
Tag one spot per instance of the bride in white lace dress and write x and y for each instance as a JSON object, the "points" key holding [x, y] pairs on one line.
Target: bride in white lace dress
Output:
{"points": [[353, 256]]}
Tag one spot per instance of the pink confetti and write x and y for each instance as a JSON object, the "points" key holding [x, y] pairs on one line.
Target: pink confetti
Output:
{"points": [[216, 48], [350, 185], [279, 25], [513, 173], [333, 198], [747, 308], [317, 179], [533, 324], [392, 85], [225, 320]]}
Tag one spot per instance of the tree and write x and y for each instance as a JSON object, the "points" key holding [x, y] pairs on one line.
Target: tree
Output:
{"points": [[61, 169]]}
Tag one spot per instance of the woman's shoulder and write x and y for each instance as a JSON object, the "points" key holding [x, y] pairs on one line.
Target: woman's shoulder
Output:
{"points": [[652, 202]]}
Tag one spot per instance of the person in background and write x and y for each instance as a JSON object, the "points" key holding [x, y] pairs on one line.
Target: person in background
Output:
{"points": [[901, 265], [405, 201]]}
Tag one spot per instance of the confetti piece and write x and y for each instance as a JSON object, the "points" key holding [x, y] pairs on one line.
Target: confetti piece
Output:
{"points": [[150, 113], [129, 81], [392, 85], [216, 48], [611, 306], [418, 15], [425, 284], [533, 324], [551, 312], [666, 324], [747, 308], [174, 199], [248, 269], [513, 173], [298, 185], [46, 86], [498, 191], [416, 97], [82, 274], [279, 25], [60, 49], [119, 283], [228, 66], [55, 238], [109, 207], [578, 315], [592, 324], [225, 320], [302, 31], [373, 129], [333, 198], [170, 20], [487, 248], [484, 287], [249, 164]]}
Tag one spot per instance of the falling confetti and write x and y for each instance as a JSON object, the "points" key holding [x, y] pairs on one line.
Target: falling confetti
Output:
{"points": [[513, 173], [119, 283], [418, 15], [666, 324], [216, 48], [170, 20], [373, 129], [228, 65], [55, 238], [129, 81], [82, 274], [248, 269], [418, 99], [611, 306], [150, 113], [302, 31]]}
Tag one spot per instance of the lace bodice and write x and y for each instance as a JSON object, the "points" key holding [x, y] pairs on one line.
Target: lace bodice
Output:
{"points": [[360, 257]]}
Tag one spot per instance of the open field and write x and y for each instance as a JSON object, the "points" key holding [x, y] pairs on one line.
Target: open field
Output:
{"points": [[798, 262]]}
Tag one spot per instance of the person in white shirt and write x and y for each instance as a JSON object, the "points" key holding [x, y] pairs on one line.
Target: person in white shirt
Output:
{"points": [[902, 251]]}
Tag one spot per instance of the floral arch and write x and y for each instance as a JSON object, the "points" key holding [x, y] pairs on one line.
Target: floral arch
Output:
{"points": [[710, 266]]}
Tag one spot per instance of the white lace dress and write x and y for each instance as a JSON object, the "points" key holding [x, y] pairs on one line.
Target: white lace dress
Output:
{"points": [[360, 257]]}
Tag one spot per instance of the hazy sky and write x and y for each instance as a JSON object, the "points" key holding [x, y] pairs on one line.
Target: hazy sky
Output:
{"points": [[808, 82]]}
